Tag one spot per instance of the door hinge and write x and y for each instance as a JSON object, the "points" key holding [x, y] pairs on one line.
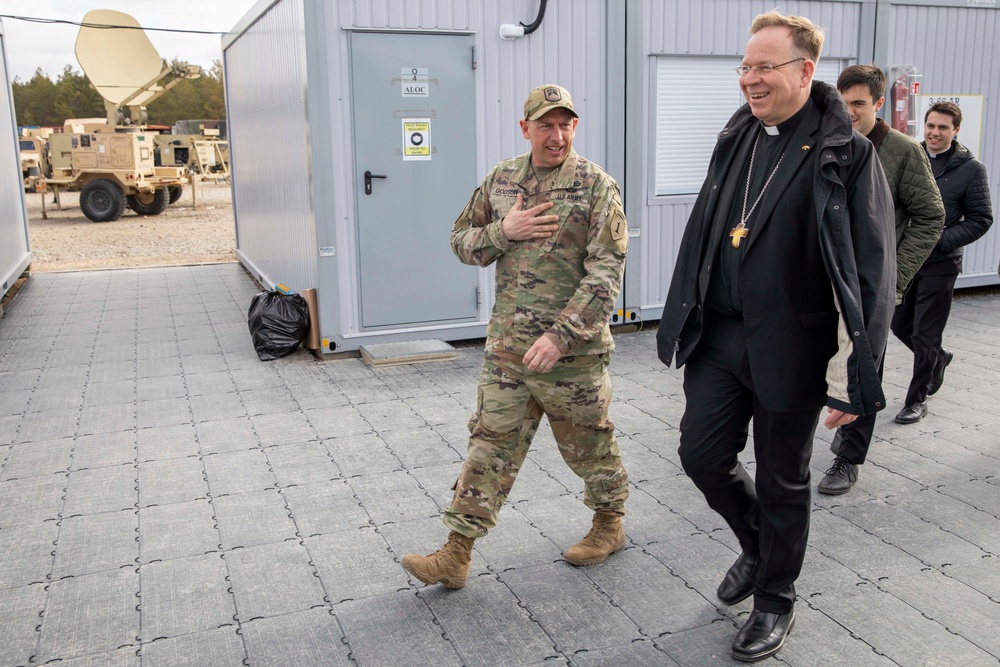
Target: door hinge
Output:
{"points": [[479, 298], [474, 63]]}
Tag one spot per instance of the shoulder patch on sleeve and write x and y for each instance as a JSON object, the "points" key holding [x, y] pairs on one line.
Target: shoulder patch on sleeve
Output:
{"points": [[615, 232]]}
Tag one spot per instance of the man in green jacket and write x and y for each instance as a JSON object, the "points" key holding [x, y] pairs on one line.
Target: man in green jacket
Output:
{"points": [[919, 221]]}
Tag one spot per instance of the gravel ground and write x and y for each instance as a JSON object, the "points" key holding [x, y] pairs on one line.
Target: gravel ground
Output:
{"points": [[183, 234]]}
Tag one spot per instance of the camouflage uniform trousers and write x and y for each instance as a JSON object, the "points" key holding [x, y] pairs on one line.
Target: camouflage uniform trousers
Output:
{"points": [[575, 395]]}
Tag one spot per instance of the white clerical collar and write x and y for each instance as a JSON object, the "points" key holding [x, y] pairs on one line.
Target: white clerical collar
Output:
{"points": [[771, 130]]}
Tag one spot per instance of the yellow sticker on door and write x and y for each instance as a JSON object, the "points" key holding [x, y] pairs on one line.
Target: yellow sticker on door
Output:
{"points": [[416, 138]]}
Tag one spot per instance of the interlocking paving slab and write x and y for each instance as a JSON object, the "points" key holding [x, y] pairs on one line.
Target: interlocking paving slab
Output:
{"points": [[265, 493], [38, 426], [238, 472], [362, 455], [26, 553], [127, 656], [90, 613], [171, 481], [31, 500], [395, 628], [898, 630], [310, 637], [652, 596], [642, 653], [489, 625], [337, 422], [185, 595], [273, 579], [355, 564], [247, 519], [107, 418], [218, 436], [420, 447], [325, 507], [569, 609], [222, 647], [96, 542], [392, 497], [29, 459], [105, 449], [284, 428], [21, 609], [301, 464], [177, 530], [167, 442]]}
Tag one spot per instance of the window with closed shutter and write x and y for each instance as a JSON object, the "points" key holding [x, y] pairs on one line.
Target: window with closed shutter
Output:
{"points": [[695, 96]]}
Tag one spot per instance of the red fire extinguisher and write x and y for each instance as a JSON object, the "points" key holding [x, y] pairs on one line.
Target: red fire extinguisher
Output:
{"points": [[901, 105]]}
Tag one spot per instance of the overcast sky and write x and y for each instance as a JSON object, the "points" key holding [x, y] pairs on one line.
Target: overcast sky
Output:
{"points": [[51, 46]]}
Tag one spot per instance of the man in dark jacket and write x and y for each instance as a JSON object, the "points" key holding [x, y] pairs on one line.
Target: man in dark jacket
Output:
{"points": [[919, 220], [920, 321], [779, 304]]}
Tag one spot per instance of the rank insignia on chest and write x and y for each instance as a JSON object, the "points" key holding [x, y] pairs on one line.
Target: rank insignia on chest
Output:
{"points": [[739, 233]]}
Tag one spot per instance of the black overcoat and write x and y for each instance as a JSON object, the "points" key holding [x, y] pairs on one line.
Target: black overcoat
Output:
{"points": [[818, 272]]}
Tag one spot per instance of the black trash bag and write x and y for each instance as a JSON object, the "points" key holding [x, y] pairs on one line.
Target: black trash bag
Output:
{"points": [[278, 323]]}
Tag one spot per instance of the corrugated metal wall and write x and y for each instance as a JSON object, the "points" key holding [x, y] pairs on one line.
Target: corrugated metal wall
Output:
{"points": [[956, 50], [268, 129], [704, 28], [265, 77], [286, 136], [14, 254]]}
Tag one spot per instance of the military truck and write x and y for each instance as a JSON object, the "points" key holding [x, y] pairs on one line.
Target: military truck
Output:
{"points": [[112, 162], [34, 161], [113, 170], [205, 155]]}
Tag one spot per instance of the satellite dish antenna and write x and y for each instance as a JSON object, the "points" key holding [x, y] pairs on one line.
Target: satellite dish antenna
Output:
{"points": [[123, 65]]}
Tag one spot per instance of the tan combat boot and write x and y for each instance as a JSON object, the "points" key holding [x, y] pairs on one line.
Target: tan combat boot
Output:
{"points": [[449, 565], [606, 537]]}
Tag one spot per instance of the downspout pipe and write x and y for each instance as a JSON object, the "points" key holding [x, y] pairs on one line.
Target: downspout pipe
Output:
{"points": [[509, 31]]}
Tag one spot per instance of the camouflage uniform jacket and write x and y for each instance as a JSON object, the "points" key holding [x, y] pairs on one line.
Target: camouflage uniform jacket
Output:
{"points": [[564, 286]]}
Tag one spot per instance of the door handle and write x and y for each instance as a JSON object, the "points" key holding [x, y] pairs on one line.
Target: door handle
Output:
{"points": [[368, 181]]}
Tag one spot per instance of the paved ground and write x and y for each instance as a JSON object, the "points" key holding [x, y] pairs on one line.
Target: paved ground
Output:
{"points": [[168, 499]]}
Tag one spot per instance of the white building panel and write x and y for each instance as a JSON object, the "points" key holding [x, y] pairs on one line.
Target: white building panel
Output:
{"points": [[268, 130], [14, 248], [645, 75]]}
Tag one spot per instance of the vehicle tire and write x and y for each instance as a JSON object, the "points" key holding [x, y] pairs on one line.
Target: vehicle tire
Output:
{"points": [[152, 203], [102, 200], [175, 193]]}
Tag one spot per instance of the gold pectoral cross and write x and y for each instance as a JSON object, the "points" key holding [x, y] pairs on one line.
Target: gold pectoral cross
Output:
{"points": [[739, 232]]}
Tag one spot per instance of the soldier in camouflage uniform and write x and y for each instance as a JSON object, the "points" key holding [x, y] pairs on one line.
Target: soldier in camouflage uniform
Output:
{"points": [[553, 223]]}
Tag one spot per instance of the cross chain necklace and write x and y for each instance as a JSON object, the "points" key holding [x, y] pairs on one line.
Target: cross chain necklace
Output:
{"points": [[746, 193]]}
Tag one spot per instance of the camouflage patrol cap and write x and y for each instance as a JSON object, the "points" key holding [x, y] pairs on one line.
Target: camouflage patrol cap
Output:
{"points": [[545, 98]]}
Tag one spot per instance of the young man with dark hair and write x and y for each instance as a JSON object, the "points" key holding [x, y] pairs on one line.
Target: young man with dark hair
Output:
{"points": [[919, 218], [920, 321]]}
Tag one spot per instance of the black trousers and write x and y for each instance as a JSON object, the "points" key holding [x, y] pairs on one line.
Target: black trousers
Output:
{"points": [[919, 323], [770, 514]]}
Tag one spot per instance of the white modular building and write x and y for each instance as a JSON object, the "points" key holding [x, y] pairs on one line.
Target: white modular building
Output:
{"points": [[359, 129], [15, 252]]}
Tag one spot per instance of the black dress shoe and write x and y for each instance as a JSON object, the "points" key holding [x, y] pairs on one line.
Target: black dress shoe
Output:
{"points": [[737, 585], [912, 413], [839, 478], [937, 378], [762, 635]]}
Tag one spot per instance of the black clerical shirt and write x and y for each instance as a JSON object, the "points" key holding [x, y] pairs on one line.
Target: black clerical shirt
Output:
{"points": [[724, 292]]}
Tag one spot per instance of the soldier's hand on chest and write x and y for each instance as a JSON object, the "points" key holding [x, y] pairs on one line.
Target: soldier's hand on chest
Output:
{"points": [[524, 224]]}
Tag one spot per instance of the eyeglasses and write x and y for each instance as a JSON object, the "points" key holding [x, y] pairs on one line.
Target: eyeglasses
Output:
{"points": [[743, 70]]}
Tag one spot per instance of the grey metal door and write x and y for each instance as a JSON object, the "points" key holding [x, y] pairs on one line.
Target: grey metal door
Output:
{"points": [[415, 168]]}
